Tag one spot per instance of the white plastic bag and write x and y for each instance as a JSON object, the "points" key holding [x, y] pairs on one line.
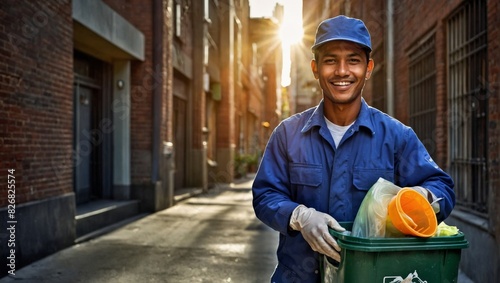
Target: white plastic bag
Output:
{"points": [[371, 219]]}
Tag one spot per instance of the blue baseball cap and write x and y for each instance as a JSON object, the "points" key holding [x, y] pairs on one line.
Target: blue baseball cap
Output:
{"points": [[342, 28]]}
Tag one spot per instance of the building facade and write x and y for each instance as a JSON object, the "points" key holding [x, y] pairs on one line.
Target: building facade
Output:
{"points": [[112, 109], [435, 70]]}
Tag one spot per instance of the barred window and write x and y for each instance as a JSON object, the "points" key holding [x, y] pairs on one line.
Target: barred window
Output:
{"points": [[468, 104], [422, 103]]}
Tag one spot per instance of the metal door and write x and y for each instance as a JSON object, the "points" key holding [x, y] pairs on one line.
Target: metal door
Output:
{"points": [[84, 147]]}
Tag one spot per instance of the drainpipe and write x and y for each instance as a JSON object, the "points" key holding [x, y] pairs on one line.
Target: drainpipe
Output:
{"points": [[390, 58], [158, 86]]}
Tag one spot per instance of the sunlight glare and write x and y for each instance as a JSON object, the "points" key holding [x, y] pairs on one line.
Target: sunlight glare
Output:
{"points": [[291, 31], [290, 34]]}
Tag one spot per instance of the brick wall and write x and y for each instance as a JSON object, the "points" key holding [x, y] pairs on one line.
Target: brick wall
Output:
{"points": [[198, 96], [143, 82], [36, 99]]}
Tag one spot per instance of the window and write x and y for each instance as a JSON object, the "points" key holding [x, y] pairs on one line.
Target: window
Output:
{"points": [[423, 94], [468, 104]]}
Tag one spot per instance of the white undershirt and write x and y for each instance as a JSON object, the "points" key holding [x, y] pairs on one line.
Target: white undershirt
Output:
{"points": [[337, 131]]}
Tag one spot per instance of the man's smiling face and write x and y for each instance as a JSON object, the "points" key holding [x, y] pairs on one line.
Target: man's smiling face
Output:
{"points": [[342, 68]]}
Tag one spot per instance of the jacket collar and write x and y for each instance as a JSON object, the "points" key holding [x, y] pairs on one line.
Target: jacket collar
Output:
{"points": [[318, 118]]}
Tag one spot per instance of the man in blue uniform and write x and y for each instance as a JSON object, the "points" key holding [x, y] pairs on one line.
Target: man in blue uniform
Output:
{"points": [[319, 164]]}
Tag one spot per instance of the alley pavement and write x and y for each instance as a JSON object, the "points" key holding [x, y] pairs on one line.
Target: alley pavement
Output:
{"points": [[210, 237]]}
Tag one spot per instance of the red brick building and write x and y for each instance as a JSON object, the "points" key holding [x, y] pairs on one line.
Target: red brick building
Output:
{"points": [[36, 133], [436, 70], [111, 109], [265, 35]]}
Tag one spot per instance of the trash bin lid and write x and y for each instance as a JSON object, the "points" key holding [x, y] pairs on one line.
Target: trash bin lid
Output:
{"points": [[346, 241]]}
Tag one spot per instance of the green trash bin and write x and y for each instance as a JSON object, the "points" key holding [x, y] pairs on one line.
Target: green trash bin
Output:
{"points": [[394, 260]]}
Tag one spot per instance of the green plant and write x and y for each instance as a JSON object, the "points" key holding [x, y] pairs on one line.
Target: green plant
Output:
{"points": [[244, 163]]}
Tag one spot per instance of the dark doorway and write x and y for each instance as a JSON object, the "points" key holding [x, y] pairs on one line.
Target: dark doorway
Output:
{"points": [[180, 142], [92, 134]]}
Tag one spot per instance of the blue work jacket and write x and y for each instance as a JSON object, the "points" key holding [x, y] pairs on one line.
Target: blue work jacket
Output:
{"points": [[302, 165]]}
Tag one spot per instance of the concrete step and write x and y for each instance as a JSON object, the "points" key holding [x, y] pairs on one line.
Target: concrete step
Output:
{"points": [[96, 215]]}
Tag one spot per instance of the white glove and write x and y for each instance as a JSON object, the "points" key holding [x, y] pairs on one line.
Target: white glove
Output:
{"points": [[433, 200], [314, 228]]}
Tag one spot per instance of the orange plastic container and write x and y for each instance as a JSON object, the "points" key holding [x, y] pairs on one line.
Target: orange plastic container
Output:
{"points": [[412, 214]]}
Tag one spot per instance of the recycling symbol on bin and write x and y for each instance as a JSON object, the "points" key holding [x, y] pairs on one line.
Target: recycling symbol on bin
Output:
{"points": [[411, 278]]}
